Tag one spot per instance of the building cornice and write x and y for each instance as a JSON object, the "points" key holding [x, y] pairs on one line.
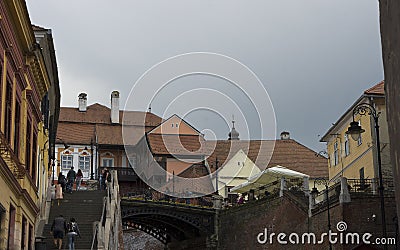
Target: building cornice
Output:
{"points": [[345, 117]]}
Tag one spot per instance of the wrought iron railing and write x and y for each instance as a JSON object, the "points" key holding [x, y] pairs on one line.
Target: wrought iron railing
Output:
{"points": [[150, 195], [362, 186], [124, 173], [322, 195], [370, 185], [7, 154]]}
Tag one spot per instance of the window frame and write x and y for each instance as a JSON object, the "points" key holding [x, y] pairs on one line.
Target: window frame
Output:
{"points": [[346, 145], [65, 166], [84, 159], [335, 154]]}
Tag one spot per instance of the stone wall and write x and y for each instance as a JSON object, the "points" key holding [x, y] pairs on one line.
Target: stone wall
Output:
{"points": [[390, 37], [239, 226]]}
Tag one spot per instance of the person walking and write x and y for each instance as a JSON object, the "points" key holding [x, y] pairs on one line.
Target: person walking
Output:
{"points": [[79, 177], [57, 229], [106, 178], [71, 176], [62, 181], [73, 231], [59, 193]]}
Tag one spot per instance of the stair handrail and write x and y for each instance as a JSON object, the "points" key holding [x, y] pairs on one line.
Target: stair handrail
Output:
{"points": [[94, 236], [110, 225], [97, 224]]}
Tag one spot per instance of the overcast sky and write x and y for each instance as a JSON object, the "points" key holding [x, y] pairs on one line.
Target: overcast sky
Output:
{"points": [[314, 57]]}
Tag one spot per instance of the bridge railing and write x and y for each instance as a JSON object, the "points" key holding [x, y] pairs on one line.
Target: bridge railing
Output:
{"points": [[150, 195], [123, 173], [110, 225]]}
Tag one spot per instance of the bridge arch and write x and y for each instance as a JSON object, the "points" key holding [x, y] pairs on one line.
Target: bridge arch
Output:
{"points": [[168, 222]]}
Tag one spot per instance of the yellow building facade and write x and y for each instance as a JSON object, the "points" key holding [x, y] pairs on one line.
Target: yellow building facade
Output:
{"points": [[358, 159], [24, 130]]}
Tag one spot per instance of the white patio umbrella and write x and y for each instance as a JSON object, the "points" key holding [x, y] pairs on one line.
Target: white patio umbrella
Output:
{"points": [[266, 177]]}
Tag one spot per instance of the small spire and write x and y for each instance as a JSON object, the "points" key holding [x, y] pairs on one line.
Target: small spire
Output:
{"points": [[149, 110], [233, 135]]}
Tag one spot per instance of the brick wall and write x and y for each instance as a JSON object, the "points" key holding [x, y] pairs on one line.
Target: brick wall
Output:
{"points": [[239, 226]]}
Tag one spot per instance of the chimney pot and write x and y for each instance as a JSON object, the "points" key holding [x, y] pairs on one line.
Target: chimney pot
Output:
{"points": [[82, 102], [115, 107], [285, 135]]}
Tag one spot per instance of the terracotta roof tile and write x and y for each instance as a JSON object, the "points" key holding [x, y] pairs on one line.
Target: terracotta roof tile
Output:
{"points": [[378, 89], [176, 144], [100, 114], [75, 133], [77, 127], [287, 153], [113, 134]]}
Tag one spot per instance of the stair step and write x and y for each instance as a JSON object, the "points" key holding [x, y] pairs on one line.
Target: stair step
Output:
{"points": [[86, 207]]}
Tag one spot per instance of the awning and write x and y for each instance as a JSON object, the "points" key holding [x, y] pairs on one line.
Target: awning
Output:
{"points": [[266, 177]]}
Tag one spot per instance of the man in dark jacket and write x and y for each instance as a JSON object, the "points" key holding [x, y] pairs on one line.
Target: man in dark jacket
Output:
{"points": [[71, 176], [58, 228]]}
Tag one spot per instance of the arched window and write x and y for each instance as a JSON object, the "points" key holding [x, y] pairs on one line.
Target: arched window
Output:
{"points": [[67, 160], [84, 160]]}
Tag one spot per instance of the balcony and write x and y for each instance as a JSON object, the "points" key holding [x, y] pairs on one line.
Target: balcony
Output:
{"points": [[7, 154], [124, 173]]}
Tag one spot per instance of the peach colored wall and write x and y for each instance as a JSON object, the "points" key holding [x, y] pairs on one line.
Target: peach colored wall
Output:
{"points": [[177, 166], [174, 125]]}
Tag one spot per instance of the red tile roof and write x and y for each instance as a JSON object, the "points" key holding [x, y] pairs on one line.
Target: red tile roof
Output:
{"points": [[269, 153], [378, 89], [176, 144], [75, 133], [100, 114], [77, 127]]}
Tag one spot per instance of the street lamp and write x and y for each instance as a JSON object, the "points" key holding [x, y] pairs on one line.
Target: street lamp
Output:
{"points": [[173, 183], [314, 192], [216, 175], [355, 131]]}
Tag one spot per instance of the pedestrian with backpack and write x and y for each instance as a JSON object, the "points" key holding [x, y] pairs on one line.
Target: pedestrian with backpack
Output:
{"points": [[72, 232]]}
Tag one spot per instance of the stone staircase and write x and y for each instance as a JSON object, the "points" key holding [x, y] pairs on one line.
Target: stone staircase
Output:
{"points": [[86, 207]]}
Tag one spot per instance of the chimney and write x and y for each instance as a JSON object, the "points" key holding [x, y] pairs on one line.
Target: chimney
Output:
{"points": [[82, 102], [285, 135], [115, 107]]}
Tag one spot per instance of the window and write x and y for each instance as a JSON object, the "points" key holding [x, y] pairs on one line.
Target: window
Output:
{"points": [[8, 122], [23, 233], [84, 162], [2, 215], [132, 162], [335, 154], [108, 162], [17, 127], [34, 156], [346, 145], [67, 161], [362, 178], [30, 237], [359, 141], [11, 228], [28, 146]]}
